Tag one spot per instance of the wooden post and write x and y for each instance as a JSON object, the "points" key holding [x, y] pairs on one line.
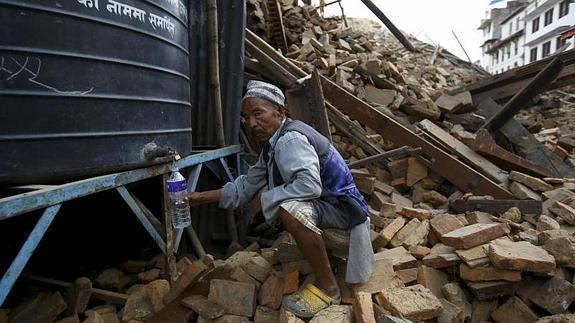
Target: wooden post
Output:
{"points": [[217, 98], [172, 271]]}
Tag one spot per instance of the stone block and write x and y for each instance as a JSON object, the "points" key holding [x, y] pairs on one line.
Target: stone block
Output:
{"points": [[523, 192], [514, 311], [383, 276], [441, 256], [188, 277], [258, 268], [413, 303], [404, 233], [363, 308], [533, 183], [239, 275], [288, 317], [266, 315], [235, 297], [414, 213], [69, 319], [445, 223], [451, 313], [455, 294], [562, 249], [78, 295], [419, 251], [482, 310], [271, 292], [205, 308], [43, 307], [418, 236], [434, 198], [487, 273], [545, 223], [433, 279], [563, 211], [473, 235], [493, 289], [138, 306], [555, 295], [157, 290], [400, 257], [386, 234], [334, 314], [291, 282], [522, 256]]}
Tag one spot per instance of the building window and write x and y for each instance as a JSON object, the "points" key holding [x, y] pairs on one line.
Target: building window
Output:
{"points": [[510, 28], [563, 8], [546, 50], [535, 25], [548, 17], [516, 47], [533, 55], [508, 48], [560, 42]]}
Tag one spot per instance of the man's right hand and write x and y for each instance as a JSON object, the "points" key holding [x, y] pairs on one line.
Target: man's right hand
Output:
{"points": [[199, 198]]}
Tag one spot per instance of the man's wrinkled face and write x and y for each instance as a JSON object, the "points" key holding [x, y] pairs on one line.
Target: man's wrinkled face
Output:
{"points": [[261, 117]]}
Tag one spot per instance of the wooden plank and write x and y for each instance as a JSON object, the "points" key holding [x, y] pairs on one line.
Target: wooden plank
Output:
{"points": [[461, 175], [526, 144], [471, 157], [495, 206], [306, 103]]}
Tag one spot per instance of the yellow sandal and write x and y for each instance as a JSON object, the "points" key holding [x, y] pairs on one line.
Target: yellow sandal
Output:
{"points": [[308, 302]]}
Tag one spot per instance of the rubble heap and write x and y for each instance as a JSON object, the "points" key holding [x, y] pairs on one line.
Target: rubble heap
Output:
{"points": [[443, 254]]}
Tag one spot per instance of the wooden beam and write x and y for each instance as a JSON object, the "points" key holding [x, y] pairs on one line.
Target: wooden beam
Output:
{"points": [[458, 148], [526, 144], [495, 206], [486, 146], [461, 175], [396, 32], [306, 103], [539, 83], [97, 293]]}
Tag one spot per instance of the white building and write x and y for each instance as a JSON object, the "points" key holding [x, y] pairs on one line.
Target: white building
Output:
{"points": [[497, 34], [547, 25], [524, 32]]}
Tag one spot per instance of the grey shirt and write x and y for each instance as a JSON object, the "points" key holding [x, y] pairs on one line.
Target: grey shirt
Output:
{"points": [[299, 167]]}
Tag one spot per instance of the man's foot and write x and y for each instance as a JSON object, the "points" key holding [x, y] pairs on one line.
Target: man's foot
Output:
{"points": [[309, 301]]}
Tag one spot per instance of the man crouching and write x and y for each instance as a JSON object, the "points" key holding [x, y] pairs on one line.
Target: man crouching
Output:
{"points": [[309, 188]]}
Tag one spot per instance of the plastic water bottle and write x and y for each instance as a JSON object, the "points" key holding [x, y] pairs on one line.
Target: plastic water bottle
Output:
{"points": [[179, 207]]}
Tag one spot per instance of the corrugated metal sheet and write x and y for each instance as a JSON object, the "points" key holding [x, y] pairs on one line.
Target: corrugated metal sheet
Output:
{"points": [[231, 23]]}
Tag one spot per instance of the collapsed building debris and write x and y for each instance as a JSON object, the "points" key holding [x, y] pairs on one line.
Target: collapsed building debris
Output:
{"points": [[469, 222]]}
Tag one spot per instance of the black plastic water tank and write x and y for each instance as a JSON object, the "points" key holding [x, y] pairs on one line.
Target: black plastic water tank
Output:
{"points": [[85, 84]]}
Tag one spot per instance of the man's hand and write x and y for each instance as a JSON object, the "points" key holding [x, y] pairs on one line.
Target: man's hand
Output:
{"points": [[199, 198]]}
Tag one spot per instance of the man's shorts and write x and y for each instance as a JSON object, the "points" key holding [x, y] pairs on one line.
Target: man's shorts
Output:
{"points": [[304, 212]]}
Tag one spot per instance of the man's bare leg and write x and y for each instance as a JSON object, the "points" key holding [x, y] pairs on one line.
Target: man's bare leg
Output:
{"points": [[313, 249]]}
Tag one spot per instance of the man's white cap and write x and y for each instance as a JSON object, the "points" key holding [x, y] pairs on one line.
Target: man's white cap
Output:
{"points": [[266, 91]]}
